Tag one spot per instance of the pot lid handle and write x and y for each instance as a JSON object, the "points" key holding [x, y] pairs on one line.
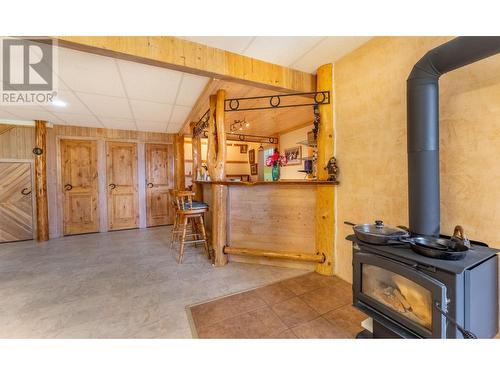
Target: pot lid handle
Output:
{"points": [[379, 224]]}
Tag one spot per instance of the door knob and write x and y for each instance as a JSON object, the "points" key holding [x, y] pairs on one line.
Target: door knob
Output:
{"points": [[112, 186], [26, 191], [68, 187], [150, 185]]}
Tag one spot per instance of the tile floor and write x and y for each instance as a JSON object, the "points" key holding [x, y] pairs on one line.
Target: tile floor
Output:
{"points": [[123, 284], [308, 306]]}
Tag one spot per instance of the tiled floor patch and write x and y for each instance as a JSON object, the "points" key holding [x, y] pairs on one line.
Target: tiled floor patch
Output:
{"points": [[308, 306]]}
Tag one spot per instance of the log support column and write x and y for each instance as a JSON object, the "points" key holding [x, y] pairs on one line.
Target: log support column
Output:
{"points": [[325, 196], [42, 211], [179, 170], [216, 163], [196, 147]]}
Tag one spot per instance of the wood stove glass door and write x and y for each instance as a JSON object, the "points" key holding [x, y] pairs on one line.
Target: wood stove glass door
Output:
{"points": [[401, 293]]}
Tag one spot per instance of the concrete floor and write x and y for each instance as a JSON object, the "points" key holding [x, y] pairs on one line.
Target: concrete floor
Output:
{"points": [[123, 284]]}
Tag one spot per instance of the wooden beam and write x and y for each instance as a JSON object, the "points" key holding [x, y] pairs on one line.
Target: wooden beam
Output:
{"points": [[318, 258], [179, 172], [196, 152], [325, 197], [186, 56], [42, 211], [216, 160]]}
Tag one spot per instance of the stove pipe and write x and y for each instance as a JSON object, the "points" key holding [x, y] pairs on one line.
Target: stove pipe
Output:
{"points": [[423, 124]]}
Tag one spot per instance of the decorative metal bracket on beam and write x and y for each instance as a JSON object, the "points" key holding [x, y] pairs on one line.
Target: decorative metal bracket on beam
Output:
{"points": [[277, 101], [314, 99], [246, 138], [201, 125]]}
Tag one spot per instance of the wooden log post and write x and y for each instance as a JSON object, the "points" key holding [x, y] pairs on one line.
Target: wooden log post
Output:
{"points": [[325, 195], [196, 151], [42, 210], [179, 169], [216, 163]]}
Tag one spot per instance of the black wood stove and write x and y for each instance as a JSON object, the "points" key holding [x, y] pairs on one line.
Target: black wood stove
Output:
{"points": [[407, 293], [404, 292]]}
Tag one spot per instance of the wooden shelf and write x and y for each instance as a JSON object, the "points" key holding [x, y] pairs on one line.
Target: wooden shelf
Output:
{"points": [[308, 144], [281, 182]]}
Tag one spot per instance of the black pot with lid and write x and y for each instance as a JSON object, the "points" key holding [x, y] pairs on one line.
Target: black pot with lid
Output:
{"points": [[378, 233]]}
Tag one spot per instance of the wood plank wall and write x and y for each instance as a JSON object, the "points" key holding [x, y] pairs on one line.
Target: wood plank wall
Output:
{"points": [[269, 217], [16, 142]]}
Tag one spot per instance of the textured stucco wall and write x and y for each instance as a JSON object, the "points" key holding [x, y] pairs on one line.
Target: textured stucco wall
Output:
{"points": [[370, 106]]}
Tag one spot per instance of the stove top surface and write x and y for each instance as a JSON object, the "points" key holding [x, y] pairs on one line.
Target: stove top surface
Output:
{"points": [[475, 256]]}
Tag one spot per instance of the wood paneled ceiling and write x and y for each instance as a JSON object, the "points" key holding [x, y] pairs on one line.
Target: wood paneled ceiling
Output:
{"points": [[264, 122]]}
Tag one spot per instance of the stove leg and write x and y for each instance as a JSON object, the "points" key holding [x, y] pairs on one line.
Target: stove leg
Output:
{"points": [[364, 334]]}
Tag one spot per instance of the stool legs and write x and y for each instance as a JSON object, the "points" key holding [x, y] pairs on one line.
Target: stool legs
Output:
{"points": [[204, 236], [183, 238], [197, 233], [174, 231], [194, 228]]}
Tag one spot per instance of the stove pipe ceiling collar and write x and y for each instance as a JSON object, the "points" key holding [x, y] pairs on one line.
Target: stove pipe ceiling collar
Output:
{"points": [[423, 124]]}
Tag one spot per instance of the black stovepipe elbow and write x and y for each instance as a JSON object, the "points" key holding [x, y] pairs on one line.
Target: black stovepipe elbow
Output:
{"points": [[423, 125]]}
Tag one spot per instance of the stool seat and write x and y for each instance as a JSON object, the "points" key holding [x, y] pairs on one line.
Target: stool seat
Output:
{"points": [[195, 205]]}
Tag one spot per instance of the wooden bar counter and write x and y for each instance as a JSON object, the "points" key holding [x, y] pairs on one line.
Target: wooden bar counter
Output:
{"points": [[274, 216]]}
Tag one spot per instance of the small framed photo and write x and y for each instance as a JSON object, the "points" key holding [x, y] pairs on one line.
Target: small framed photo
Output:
{"points": [[251, 156], [254, 169], [243, 149], [293, 155]]}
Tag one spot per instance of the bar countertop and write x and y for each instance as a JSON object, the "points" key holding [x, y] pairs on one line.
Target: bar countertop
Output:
{"points": [[280, 182]]}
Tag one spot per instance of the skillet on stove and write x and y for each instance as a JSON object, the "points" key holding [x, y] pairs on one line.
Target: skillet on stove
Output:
{"points": [[438, 248], [454, 248]]}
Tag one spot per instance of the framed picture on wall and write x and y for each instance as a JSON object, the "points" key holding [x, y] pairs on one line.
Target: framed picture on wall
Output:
{"points": [[293, 155], [251, 156], [243, 149], [254, 169]]}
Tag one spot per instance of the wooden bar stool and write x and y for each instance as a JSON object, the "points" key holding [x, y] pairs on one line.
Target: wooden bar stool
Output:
{"points": [[176, 228], [189, 211]]}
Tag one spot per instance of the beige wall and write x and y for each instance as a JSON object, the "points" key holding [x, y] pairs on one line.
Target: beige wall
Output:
{"points": [[370, 85], [288, 140]]}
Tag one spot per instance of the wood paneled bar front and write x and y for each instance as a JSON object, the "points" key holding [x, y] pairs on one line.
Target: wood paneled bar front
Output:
{"points": [[276, 219]]}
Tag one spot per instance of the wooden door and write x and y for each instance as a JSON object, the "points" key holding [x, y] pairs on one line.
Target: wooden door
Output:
{"points": [[159, 178], [79, 186], [16, 204], [123, 212]]}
